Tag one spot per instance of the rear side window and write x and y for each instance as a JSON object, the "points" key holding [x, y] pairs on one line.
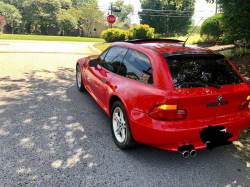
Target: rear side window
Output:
{"points": [[196, 72], [136, 66], [101, 58], [114, 58]]}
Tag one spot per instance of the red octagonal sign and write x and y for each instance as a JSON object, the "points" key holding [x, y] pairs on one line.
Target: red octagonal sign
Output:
{"points": [[111, 19]]}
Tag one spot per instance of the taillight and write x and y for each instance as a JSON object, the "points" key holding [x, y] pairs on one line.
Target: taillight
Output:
{"points": [[245, 104], [167, 113]]}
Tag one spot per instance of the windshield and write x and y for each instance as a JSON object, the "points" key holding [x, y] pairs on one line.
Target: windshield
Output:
{"points": [[202, 71]]}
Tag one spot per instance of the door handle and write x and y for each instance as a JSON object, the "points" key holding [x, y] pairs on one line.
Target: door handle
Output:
{"points": [[104, 80]]}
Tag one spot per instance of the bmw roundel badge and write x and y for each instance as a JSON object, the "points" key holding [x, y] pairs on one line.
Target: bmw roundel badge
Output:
{"points": [[220, 98]]}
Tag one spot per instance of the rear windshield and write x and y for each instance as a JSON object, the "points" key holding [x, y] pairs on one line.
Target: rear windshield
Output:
{"points": [[210, 70]]}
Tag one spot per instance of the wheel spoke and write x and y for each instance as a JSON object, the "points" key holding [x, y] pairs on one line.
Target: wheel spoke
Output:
{"points": [[118, 130], [116, 117], [121, 116], [123, 133], [123, 122]]}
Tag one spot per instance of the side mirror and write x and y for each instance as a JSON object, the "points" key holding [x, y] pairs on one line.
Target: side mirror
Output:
{"points": [[93, 63]]}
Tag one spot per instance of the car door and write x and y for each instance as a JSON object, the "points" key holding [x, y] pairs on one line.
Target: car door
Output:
{"points": [[99, 76]]}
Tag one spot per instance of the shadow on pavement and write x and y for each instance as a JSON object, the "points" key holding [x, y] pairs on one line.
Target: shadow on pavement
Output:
{"points": [[53, 135]]}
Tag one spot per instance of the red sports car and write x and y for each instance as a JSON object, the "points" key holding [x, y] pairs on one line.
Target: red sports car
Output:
{"points": [[167, 95]]}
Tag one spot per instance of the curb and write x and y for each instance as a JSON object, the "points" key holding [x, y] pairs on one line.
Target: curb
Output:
{"points": [[91, 47]]}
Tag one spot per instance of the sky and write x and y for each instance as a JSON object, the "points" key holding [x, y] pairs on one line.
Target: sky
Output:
{"points": [[202, 9]]}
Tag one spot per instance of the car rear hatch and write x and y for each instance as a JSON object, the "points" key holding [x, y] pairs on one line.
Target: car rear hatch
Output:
{"points": [[207, 84]]}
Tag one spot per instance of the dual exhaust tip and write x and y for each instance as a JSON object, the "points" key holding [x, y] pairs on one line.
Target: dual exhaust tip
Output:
{"points": [[187, 150]]}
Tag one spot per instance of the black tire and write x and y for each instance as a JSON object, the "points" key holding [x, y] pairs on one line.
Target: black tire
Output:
{"points": [[129, 141], [79, 82]]}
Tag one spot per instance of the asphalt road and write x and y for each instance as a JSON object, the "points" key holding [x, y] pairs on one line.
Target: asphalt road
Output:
{"points": [[53, 135]]}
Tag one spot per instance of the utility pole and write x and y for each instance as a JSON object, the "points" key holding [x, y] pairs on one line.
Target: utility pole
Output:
{"points": [[115, 10], [111, 12], [216, 7]]}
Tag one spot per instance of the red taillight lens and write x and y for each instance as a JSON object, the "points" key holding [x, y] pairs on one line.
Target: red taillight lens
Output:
{"points": [[244, 105], [167, 113]]}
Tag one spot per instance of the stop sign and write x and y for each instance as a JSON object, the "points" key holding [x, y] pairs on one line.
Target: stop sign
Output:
{"points": [[111, 19]]}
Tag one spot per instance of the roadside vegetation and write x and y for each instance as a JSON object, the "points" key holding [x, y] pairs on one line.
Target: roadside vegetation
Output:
{"points": [[37, 17], [238, 52], [49, 38], [102, 47]]}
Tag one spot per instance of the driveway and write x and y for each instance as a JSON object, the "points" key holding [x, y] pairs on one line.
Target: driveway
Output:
{"points": [[53, 135]]}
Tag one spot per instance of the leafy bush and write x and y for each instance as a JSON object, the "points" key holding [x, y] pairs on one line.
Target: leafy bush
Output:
{"points": [[212, 27], [113, 35], [236, 52], [241, 51], [140, 32], [228, 54], [193, 39], [235, 19], [158, 35]]}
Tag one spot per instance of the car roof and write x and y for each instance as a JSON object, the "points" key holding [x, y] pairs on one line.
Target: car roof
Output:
{"points": [[169, 47]]}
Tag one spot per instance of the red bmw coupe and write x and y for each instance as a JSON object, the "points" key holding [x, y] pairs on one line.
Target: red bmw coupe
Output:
{"points": [[167, 95]]}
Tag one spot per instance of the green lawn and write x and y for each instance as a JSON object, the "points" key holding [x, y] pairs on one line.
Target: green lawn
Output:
{"points": [[102, 47], [49, 38]]}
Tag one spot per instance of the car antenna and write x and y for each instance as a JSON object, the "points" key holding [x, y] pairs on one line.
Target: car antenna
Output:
{"points": [[191, 33]]}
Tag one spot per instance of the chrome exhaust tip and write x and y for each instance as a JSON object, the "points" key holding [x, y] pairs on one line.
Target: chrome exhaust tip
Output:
{"points": [[187, 150], [193, 153], [185, 154]]}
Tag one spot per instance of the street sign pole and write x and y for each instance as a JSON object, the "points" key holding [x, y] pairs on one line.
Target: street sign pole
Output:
{"points": [[111, 13]]}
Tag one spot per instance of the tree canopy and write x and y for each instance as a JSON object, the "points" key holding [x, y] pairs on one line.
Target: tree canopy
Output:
{"points": [[126, 11], [167, 16], [38, 15], [42, 12], [11, 14], [235, 19], [78, 3], [66, 21], [212, 26]]}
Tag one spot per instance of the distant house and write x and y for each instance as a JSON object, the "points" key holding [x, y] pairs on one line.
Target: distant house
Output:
{"points": [[122, 25], [97, 27], [94, 31], [54, 30]]}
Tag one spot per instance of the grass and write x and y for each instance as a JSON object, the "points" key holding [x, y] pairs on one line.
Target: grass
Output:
{"points": [[49, 38], [238, 52], [102, 47], [193, 39]]}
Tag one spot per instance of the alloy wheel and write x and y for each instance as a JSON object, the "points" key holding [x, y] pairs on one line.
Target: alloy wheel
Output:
{"points": [[119, 125]]}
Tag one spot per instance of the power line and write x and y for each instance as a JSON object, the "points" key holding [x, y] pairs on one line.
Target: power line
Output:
{"points": [[157, 10]]}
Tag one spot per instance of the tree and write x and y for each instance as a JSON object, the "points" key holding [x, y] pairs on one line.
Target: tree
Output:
{"points": [[235, 19], [167, 16], [77, 3], [66, 4], [3, 22], [41, 12], [11, 14], [86, 15], [66, 22], [126, 11], [212, 27]]}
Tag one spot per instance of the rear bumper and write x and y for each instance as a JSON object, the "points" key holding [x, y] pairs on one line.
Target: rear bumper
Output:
{"points": [[170, 135]]}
